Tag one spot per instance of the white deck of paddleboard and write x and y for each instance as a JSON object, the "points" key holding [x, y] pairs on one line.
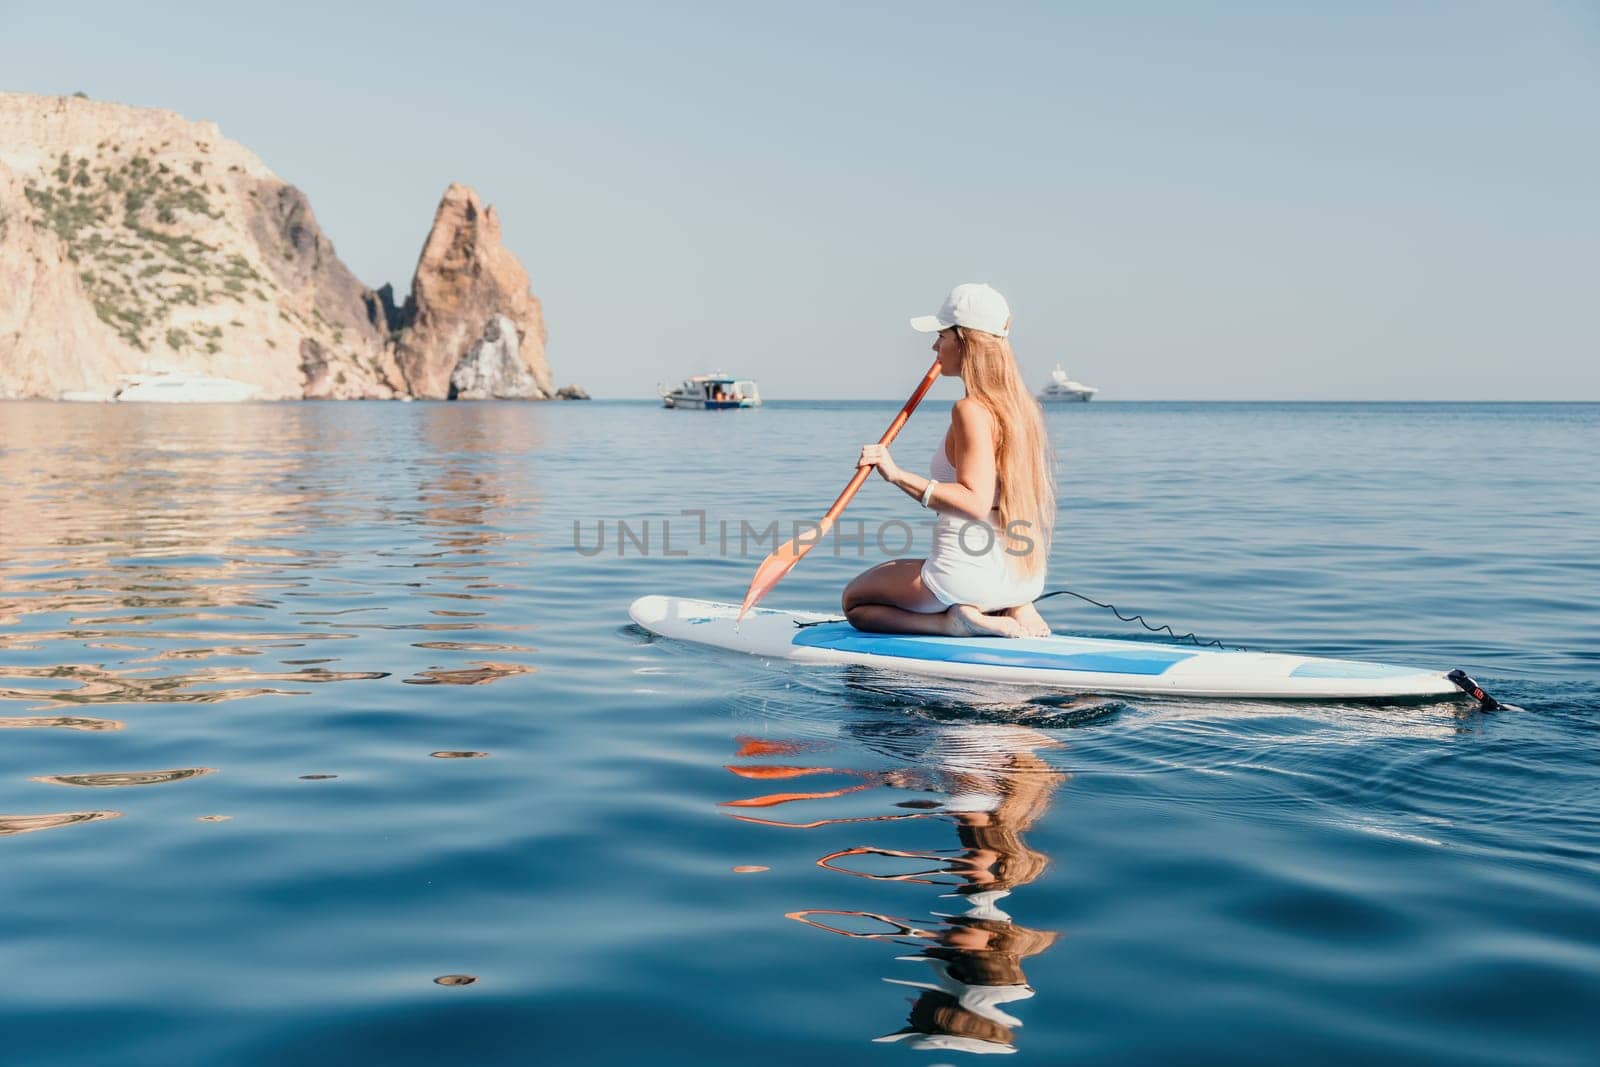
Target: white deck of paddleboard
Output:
{"points": [[1061, 663]]}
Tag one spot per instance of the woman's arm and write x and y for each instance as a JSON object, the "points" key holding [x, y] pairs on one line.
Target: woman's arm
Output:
{"points": [[972, 454], [971, 496]]}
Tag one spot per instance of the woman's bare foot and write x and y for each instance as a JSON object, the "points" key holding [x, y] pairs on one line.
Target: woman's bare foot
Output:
{"points": [[1028, 617], [967, 621]]}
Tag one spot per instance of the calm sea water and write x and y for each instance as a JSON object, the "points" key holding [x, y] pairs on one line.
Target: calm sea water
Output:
{"points": [[304, 708]]}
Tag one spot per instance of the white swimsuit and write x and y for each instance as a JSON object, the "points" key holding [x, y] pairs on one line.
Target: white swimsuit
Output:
{"points": [[969, 563]]}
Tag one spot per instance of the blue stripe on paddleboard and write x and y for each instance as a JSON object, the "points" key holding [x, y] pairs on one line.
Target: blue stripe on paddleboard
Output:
{"points": [[990, 651], [1350, 669]]}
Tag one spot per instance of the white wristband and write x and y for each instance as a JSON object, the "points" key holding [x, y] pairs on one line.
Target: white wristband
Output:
{"points": [[927, 494]]}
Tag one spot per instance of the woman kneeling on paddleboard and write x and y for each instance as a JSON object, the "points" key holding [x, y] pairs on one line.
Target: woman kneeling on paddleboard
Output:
{"points": [[991, 485]]}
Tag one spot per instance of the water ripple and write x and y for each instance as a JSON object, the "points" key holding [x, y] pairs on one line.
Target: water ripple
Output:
{"points": [[27, 824], [119, 779]]}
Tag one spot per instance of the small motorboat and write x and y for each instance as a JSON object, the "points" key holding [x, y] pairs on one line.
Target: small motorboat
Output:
{"points": [[163, 387], [711, 392]]}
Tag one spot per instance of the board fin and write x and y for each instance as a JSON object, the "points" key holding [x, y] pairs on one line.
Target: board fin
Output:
{"points": [[1474, 690]]}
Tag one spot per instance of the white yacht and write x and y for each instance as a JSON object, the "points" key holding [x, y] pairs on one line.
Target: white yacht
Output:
{"points": [[164, 387], [711, 392], [1063, 390]]}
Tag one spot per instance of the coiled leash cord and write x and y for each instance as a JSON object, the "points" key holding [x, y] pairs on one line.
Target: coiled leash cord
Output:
{"points": [[1140, 619]]}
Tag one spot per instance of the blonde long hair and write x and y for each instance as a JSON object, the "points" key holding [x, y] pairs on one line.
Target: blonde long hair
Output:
{"points": [[1024, 461]]}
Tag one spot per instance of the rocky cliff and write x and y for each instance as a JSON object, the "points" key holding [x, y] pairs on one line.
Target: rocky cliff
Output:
{"points": [[134, 240], [465, 277]]}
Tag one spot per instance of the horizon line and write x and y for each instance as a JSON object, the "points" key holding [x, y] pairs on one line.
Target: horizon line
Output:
{"points": [[1138, 400]]}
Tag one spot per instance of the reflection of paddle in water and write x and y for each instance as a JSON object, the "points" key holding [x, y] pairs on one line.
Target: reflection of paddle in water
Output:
{"points": [[995, 787]]}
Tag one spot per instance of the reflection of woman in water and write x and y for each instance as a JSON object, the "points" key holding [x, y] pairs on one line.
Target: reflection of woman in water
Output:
{"points": [[977, 966], [977, 957], [998, 789]]}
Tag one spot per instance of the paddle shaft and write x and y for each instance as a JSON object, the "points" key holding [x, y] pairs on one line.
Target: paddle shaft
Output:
{"points": [[888, 435], [786, 555]]}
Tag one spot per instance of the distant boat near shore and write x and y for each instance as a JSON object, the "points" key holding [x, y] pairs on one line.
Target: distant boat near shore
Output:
{"points": [[168, 388], [711, 392], [1063, 390]]}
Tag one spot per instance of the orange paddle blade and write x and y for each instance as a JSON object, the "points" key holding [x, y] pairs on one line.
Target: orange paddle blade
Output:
{"points": [[786, 555], [783, 559]]}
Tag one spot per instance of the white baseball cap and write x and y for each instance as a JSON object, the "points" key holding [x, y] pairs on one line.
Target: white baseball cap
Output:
{"points": [[974, 305]]}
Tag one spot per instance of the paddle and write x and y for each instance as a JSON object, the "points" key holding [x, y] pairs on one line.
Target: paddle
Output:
{"points": [[786, 555]]}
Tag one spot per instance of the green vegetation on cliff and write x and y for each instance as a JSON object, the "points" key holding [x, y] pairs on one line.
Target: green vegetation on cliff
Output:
{"points": [[122, 221]]}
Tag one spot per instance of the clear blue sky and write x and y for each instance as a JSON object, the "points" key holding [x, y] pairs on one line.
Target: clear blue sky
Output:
{"points": [[1182, 200]]}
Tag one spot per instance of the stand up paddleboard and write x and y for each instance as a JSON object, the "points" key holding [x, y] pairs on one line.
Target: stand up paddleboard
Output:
{"points": [[1060, 663]]}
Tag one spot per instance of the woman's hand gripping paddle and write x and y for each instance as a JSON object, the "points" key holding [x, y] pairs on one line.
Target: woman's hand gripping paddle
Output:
{"points": [[786, 555]]}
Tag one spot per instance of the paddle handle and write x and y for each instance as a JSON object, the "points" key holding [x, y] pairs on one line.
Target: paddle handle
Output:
{"points": [[888, 435]]}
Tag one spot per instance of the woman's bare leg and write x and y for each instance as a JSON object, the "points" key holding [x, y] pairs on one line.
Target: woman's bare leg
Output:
{"points": [[890, 598]]}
